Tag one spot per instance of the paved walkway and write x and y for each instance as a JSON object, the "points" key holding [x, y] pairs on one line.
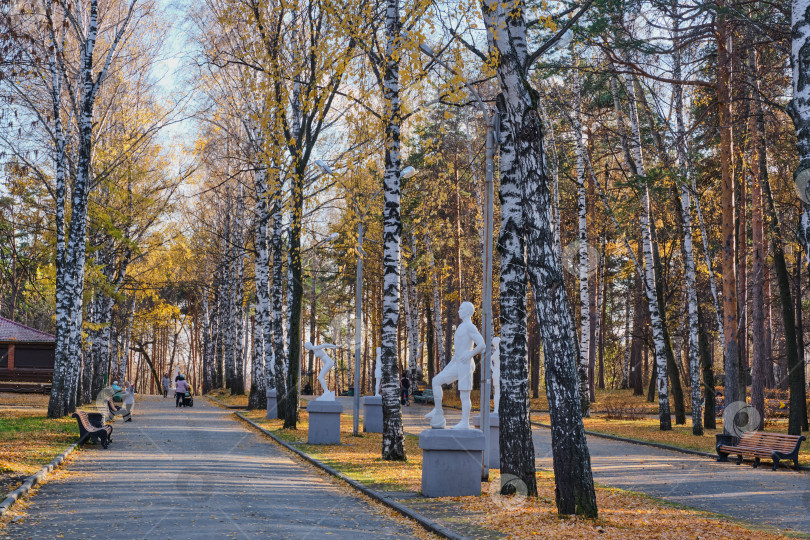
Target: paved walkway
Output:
{"points": [[780, 498], [195, 473]]}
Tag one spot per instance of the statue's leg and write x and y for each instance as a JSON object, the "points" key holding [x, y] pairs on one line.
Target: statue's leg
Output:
{"points": [[438, 394], [436, 415], [466, 405], [322, 375]]}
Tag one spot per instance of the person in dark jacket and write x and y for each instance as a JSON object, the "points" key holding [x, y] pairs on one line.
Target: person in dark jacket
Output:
{"points": [[405, 383]]}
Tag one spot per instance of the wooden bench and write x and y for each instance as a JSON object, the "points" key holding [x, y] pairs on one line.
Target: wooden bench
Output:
{"points": [[759, 444], [426, 396], [91, 426]]}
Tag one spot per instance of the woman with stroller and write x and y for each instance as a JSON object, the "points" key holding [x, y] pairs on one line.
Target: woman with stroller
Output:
{"points": [[180, 389]]}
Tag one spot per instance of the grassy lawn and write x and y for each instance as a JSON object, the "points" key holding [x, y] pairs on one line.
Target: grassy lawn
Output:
{"points": [[28, 439], [622, 514]]}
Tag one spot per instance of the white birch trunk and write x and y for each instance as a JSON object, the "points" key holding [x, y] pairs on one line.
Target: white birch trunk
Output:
{"points": [[262, 348], [649, 266], [689, 263], [584, 264], [393, 435], [527, 224], [626, 361]]}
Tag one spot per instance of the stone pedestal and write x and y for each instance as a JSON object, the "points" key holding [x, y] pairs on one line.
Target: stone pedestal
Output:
{"points": [[272, 404], [451, 462], [494, 444], [372, 414], [324, 422]]}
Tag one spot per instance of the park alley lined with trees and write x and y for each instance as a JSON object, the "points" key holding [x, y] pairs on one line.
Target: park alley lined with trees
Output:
{"points": [[207, 212]]}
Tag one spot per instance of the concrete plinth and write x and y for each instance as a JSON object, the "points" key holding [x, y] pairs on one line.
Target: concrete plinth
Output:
{"points": [[272, 404], [494, 444], [451, 462], [324, 422], [372, 414]]}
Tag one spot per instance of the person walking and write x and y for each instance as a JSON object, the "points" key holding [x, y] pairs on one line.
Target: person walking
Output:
{"points": [[180, 389], [166, 382], [129, 401]]}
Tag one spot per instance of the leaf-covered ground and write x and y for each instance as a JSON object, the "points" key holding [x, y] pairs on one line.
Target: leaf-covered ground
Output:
{"points": [[28, 439], [225, 397], [622, 514]]}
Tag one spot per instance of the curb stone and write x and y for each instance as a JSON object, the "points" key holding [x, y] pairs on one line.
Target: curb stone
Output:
{"points": [[428, 524], [35, 479], [654, 445]]}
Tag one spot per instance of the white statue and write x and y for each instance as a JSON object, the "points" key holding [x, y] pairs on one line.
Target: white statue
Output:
{"points": [[467, 342], [496, 372], [327, 365], [378, 371]]}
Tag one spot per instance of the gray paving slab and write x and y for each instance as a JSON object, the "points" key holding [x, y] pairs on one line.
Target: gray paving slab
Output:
{"points": [[776, 498], [195, 473]]}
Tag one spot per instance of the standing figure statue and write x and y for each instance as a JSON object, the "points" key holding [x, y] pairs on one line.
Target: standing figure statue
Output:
{"points": [[378, 371], [496, 372], [327, 365], [467, 343]]}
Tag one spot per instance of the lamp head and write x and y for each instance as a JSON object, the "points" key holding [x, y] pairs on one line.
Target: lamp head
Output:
{"points": [[565, 39], [407, 172], [323, 166]]}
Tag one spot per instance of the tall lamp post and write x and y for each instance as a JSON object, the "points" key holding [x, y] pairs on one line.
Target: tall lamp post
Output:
{"points": [[560, 40], [407, 172], [331, 238], [493, 134]]}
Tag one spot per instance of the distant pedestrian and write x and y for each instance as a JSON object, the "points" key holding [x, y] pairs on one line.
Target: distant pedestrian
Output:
{"points": [[406, 386], [129, 401], [167, 382], [180, 389]]}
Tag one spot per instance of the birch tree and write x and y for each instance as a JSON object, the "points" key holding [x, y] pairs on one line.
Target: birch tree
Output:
{"points": [[799, 110], [527, 223], [584, 263]]}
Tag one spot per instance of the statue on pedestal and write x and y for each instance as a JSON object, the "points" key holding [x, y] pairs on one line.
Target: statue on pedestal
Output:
{"points": [[496, 372], [467, 343], [327, 365], [378, 371]]}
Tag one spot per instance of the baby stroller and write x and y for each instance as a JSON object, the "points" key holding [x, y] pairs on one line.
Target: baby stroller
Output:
{"points": [[188, 399]]}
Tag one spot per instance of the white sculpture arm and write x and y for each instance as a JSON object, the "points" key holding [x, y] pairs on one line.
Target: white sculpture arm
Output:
{"points": [[310, 347], [480, 345]]}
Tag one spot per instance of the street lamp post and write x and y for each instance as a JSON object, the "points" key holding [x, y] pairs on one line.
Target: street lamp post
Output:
{"points": [[492, 121], [331, 238], [407, 172]]}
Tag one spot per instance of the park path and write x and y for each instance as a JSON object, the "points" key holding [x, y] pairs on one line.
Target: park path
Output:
{"points": [[194, 473], [780, 499]]}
